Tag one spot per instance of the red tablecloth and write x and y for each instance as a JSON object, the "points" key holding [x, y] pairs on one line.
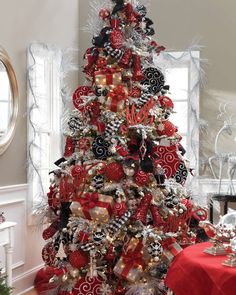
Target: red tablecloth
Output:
{"points": [[196, 273]]}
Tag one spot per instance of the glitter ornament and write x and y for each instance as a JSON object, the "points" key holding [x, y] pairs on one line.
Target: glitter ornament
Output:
{"points": [[78, 259], [114, 171], [142, 210], [104, 14], [117, 39]]}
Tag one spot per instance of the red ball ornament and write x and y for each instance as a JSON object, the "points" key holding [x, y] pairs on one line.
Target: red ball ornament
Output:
{"points": [[83, 237], [104, 14], [77, 171], [78, 259], [101, 63], [141, 178], [166, 128], [49, 254], [114, 171], [119, 209], [42, 278], [166, 102], [117, 39]]}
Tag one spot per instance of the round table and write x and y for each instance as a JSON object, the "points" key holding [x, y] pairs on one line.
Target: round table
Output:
{"points": [[196, 273]]}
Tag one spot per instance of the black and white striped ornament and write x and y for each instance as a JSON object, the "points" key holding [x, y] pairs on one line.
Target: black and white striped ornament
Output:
{"points": [[98, 181], [118, 223], [112, 128], [75, 123], [145, 97], [88, 247], [113, 52]]}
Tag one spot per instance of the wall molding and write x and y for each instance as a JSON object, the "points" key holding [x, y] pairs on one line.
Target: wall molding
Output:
{"points": [[13, 194], [23, 282]]}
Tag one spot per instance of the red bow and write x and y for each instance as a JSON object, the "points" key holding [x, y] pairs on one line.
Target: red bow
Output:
{"points": [[117, 94], [89, 201], [133, 259]]}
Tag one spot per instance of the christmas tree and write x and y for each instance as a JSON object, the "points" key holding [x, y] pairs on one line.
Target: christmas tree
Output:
{"points": [[4, 289], [118, 210]]}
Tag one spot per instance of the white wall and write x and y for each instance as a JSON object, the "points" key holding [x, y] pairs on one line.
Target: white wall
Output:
{"points": [[21, 22]]}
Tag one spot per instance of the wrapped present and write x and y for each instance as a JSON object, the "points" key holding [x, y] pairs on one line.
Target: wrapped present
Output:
{"points": [[171, 249], [117, 98], [93, 206], [132, 263], [107, 77]]}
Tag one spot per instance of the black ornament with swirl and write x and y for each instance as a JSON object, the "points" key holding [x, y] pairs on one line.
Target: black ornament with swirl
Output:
{"points": [[100, 148], [181, 174], [154, 80]]}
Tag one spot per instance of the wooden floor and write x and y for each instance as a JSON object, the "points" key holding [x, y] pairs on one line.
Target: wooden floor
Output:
{"points": [[33, 292]]}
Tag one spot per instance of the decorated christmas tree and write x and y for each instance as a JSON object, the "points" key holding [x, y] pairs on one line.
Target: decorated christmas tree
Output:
{"points": [[117, 206]]}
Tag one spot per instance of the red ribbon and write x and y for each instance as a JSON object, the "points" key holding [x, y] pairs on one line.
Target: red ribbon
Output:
{"points": [[90, 201], [117, 95], [133, 259]]}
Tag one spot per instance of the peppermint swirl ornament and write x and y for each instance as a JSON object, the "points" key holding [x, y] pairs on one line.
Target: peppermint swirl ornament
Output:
{"points": [[154, 80], [100, 148], [77, 97]]}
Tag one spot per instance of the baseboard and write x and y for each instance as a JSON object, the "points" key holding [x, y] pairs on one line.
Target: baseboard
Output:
{"points": [[24, 282]]}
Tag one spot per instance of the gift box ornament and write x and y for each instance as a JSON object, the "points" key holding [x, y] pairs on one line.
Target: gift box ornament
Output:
{"points": [[171, 251], [132, 263], [107, 77], [117, 98], [93, 206]]}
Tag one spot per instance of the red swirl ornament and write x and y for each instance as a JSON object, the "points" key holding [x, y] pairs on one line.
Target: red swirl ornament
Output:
{"points": [[78, 99], [168, 159], [114, 171], [88, 285], [142, 178], [119, 209], [49, 254]]}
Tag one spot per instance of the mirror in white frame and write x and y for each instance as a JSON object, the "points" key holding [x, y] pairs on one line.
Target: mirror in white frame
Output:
{"points": [[8, 101]]}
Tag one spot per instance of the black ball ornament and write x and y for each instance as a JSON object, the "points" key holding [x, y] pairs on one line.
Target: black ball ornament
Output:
{"points": [[100, 148], [154, 80]]}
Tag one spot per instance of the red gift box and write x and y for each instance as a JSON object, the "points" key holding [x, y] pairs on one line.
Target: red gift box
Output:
{"points": [[93, 206], [131, 264]]}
